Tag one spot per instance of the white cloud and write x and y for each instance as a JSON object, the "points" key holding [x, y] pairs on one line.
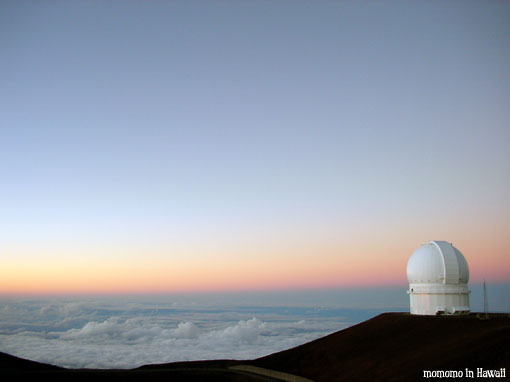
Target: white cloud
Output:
{"points": [[110, 334], [246, 331], [186, 330], [123, 344], [127, 331]]}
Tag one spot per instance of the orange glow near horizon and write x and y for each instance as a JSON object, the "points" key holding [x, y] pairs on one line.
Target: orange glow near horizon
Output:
{"points": [[261, 267]]}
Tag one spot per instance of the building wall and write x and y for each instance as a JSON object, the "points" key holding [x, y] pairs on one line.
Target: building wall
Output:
{"points": [[434, 301]]}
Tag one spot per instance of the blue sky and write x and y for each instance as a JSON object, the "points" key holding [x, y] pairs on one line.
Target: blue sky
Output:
{"points": [[139, 124]]}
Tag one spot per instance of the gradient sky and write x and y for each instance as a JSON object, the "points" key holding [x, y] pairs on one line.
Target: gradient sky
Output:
{"points": [[150, 146]]}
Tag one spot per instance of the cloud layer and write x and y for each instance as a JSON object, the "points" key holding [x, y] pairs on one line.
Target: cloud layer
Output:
{"points": [[99, 334]]}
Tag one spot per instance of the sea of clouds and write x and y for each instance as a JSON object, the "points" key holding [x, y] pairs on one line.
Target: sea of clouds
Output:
{"points": [[130, 331], [127, 333]]}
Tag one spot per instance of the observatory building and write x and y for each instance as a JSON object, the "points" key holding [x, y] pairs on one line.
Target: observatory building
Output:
{"points": [[438, 277]]}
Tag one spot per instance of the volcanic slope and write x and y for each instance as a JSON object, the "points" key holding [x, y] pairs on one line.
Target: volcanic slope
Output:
{"points": [[399, 347]]}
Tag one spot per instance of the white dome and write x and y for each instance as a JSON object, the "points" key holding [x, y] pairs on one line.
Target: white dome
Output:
{"points": [[437, 262]]}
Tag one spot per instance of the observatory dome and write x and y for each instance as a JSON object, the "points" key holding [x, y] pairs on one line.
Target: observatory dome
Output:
{"points": [[438, 276], [437, 262]]}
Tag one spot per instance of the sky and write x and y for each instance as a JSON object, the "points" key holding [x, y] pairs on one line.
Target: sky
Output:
{"points": [[194, 146]]}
